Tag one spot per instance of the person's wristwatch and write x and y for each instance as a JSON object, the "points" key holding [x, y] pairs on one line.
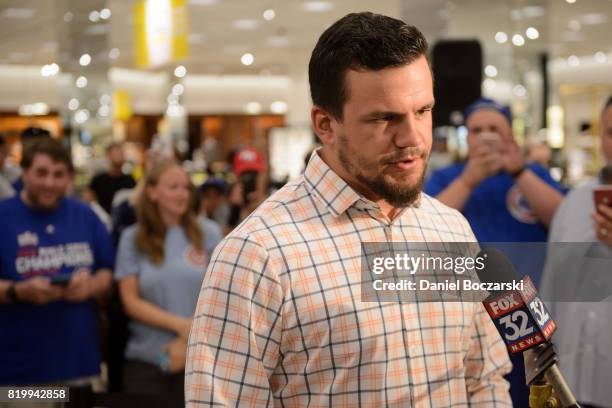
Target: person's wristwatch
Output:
{"points": [[11, 294]]}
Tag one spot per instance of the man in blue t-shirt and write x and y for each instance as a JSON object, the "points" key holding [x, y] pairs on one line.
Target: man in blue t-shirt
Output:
{"points": [[55, 262], [503, 198]]}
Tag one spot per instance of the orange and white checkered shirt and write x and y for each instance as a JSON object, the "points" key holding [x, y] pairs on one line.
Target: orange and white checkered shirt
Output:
{"points": [[280, 321]]}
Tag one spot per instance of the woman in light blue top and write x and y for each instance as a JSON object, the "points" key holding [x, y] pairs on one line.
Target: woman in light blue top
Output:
{"points": [[160, 266]]}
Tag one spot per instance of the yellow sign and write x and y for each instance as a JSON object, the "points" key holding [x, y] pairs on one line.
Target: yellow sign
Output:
{"points": [[161, 32], [122, 105]]}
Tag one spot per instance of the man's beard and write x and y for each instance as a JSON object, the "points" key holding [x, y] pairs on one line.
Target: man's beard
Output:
{"points": [[396, 194]]}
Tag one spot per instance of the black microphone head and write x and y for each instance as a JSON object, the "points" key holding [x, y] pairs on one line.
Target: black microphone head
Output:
{"points": [[497, 267]]}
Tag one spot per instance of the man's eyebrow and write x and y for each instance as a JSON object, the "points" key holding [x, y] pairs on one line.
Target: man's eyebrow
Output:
{"points": [[381, 114], [429, 105], [385, 113]]}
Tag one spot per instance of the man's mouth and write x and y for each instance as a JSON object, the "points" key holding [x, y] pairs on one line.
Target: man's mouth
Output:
{"points": [[406, 163]]}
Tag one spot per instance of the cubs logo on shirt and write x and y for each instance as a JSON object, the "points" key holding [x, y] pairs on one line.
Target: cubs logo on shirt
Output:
{"points": [[195, 258], [518, 207]]}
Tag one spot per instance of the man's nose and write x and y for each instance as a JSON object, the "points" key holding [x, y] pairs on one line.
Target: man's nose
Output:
{"points": [[407, 133]]}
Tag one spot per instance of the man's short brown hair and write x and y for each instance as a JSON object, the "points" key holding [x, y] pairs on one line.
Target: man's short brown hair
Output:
{"points": [[48, 146]]}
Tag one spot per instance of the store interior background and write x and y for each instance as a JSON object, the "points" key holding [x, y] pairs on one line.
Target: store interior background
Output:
{"points": [[237, 74]]}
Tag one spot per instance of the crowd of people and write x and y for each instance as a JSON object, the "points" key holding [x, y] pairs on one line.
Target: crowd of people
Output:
{"points": [[115, 275]]}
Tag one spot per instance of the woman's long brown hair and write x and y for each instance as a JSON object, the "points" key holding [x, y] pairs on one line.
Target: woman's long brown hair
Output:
{"points": [[151, 230]]}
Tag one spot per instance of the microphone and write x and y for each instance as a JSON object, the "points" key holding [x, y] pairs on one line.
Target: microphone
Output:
{"points": [[524, 323]]}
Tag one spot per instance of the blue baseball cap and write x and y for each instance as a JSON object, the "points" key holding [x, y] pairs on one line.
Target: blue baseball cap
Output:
{"points": [[486, 103], [215, 183]]}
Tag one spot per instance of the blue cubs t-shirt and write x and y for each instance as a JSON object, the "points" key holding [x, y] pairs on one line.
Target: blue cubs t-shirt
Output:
{"points": [[496, 209], [56, 341]]}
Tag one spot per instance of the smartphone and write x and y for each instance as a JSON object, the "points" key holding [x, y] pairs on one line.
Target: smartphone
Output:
{"points": [[61, 280], [492, 140], [602, 195]]}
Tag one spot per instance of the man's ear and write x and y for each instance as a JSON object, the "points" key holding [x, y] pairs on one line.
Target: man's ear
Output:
{"points": [[322, 125]]}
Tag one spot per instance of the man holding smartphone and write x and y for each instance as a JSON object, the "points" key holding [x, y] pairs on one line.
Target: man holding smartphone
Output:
{"points": [[55, 261], [503, 198], [583, 339]]}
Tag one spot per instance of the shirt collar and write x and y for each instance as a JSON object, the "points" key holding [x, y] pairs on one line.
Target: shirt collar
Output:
{"points": [[332, 191]]}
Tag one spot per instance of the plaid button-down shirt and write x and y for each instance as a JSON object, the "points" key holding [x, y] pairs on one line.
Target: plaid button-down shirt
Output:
{"points": [[280, 321]]}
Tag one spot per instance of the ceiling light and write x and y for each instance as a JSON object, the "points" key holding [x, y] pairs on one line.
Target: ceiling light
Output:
{"points": [[278, 107], [247, 59], [81, 82], [19, 13], [532, 33], [180, 71], [94, 16], [68, 16], [245, 24], [73, 104], [105, 14], [490, 71], [54, 68], [518, 40], [571, 1], [519, 90], [45, 70], [501, 37], [114, 53], [269, 15], [104, 111], [574, 25], [172, 99], [489, 84], [317, 6], [105, 99], [573, 61], [175, 111], [601, 57], [178, 89], [85, 60], [81, 116], [253, 108], [49, 70]]}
